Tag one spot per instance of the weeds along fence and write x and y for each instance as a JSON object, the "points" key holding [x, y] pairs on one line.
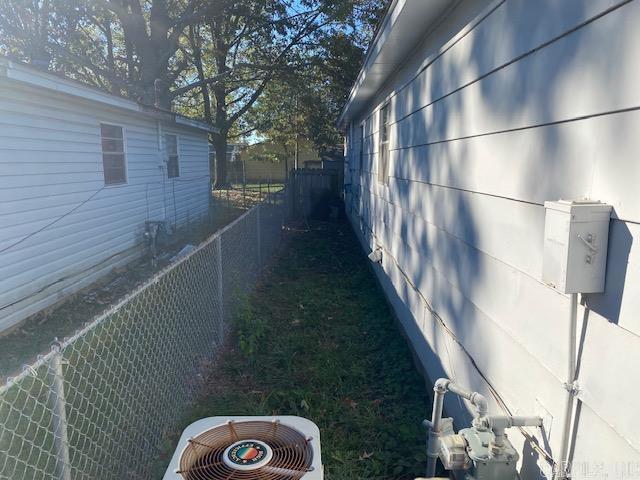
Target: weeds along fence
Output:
{"points": [[99, 403]]}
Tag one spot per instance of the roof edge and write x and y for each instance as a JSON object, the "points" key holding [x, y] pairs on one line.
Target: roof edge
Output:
{"points": [[35, 77], [405, 25]]}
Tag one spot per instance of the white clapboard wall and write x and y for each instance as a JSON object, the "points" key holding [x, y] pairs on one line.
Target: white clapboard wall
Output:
{"points": [[51, 164], [505, 105]]}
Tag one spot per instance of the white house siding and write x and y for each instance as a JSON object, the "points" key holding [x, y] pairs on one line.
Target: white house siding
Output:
{"points": [[50, 163], [520, 102]]}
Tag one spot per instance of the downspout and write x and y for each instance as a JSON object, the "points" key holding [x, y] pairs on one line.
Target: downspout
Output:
{"points": [[571, 385]]}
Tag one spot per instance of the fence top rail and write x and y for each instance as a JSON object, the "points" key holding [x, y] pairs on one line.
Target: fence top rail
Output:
{"points": [[57, 345], [315, 171]]}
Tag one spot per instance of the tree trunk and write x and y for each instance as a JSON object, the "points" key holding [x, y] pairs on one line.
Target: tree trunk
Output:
{"points": [[219, 90], [131, 64], [111, 62], [148, 39], [197, 60], [147, 84], [220, 142]]}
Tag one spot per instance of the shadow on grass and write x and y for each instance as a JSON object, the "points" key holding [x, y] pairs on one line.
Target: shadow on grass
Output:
{"points": [[317, 339]]}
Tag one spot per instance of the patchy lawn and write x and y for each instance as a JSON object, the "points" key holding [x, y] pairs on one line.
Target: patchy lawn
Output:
{"points": [[317, 339]]}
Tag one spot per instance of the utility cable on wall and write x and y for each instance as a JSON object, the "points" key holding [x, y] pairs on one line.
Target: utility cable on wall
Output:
{"points": [[54, 221], [532, 440], [23, 239], [66, 277], [66, 214]]}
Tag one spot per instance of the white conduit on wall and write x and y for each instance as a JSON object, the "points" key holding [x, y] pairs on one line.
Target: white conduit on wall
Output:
{"points": [[572, 390]]}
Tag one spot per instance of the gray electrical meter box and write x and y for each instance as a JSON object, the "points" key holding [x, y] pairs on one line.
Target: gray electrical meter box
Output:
{"points": [[576, 234]]}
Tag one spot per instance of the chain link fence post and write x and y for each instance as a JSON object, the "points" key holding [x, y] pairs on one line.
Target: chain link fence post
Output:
{"points": [[220, 283], [258, 236], [244, 195], [59, 418]]}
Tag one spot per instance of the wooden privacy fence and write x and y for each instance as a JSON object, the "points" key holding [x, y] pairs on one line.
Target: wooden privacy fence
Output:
{"points": [[314, 192]]}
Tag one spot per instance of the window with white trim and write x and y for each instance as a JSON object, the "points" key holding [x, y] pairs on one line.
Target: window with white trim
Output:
{"points": [[173, 160], [383, 150], [113, 157]]}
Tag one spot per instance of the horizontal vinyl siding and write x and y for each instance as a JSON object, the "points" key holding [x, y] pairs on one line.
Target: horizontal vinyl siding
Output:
{"points": [[50, 163], [531, 101]]}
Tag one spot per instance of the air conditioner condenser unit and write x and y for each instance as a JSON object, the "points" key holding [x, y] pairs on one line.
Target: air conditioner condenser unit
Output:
{"points": [[243, 448]]}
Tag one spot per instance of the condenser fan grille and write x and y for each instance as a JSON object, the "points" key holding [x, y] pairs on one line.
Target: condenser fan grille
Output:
{"points": [[207, 456]]}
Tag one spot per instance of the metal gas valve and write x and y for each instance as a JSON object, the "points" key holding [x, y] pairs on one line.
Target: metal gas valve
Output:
{"points": [[481, 452]]}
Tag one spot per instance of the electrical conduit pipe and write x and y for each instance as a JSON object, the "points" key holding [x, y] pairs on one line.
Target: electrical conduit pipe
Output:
{"points": [[571, 386]]}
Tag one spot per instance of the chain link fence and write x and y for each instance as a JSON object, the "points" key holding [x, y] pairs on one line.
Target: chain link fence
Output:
{"points": [[98, 404]]}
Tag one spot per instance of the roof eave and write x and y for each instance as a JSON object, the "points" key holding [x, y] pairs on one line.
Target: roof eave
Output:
{"points": [[42, 79], [403, 28]]}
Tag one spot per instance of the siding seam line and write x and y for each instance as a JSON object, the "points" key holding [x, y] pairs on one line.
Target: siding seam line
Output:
{"points": [[525, 127], [494, 392], [506, 64], [423, 66], [478, 192], [475, 247], [532, 439]]}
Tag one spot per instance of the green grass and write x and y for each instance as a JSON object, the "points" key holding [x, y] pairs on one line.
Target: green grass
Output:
{"points": [[317, 339]]}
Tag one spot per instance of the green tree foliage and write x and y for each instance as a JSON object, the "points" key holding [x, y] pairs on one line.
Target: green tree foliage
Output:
{"points": [[306, 103], [213, 59]]}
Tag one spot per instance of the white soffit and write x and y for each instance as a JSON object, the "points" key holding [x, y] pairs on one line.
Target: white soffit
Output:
{"points": [[403, 27]]}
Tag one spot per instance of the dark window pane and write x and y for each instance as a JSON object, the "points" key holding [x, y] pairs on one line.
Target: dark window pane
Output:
{"points": [[114, 177], [114, 168], [111, 131], [171, 143], [113, 162], [173, 169], [109, 145]]}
